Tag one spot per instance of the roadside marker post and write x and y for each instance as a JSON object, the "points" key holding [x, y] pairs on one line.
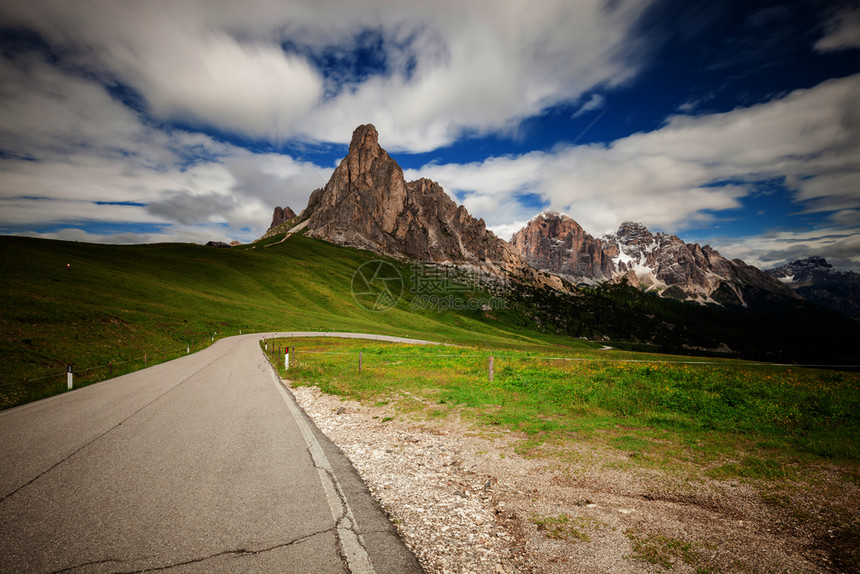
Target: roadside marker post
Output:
{"points": [[69, 376], [286, 358]]}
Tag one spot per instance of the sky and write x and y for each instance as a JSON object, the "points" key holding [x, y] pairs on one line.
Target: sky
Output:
{"points": [[734, 124]]}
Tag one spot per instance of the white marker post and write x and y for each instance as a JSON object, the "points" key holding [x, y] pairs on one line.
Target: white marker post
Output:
{"points": [[69, 376], [286, 358]]}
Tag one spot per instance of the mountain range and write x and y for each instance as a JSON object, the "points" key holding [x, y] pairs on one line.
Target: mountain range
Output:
{"points": [[368, 204], [654, 262], [817, 281]]}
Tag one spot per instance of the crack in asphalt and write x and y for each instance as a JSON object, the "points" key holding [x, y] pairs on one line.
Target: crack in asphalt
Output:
{"points": [[346, 520], [85, 564], [339, 521], [85, 445], [232, 552]]}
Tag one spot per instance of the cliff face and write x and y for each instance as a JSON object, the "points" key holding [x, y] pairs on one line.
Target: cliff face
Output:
{"points": [[368, 204], [557, 243], [667, 264], [653, 262], [282, 215], [283, 219]]}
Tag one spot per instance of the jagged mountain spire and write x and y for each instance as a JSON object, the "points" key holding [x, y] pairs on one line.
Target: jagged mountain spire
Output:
{"points": [[367, 203]]}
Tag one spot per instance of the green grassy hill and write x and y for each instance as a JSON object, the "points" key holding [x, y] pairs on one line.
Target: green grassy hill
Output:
{"points": [[118, 303], [110, 309]]}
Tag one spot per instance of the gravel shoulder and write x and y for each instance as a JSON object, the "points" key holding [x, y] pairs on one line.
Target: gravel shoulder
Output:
{"points": [[464, 500]]}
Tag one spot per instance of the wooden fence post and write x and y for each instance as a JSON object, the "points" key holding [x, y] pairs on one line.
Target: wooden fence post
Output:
{"points": [[491, 368]]}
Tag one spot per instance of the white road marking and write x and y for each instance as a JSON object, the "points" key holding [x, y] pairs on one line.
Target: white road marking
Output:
{"points": [[352, 549]]}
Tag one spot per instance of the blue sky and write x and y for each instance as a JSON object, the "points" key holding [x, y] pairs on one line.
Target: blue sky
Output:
{"points": [[729, 123]]}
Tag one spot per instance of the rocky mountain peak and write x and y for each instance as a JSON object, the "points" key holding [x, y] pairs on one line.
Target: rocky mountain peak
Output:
{"points": [[365, 137], [811, 263], [653, 262], [282, 215], [817, 281], [368, 204], [803, 270], [283, 218], [631, 232], [555, 242]]}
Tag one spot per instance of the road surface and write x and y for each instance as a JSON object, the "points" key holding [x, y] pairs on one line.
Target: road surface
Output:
{"points": [[203, 464]]}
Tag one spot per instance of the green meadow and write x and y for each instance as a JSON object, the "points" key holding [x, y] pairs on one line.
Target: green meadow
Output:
{"points": [[109, 309], [549, 395], [112, 309]]}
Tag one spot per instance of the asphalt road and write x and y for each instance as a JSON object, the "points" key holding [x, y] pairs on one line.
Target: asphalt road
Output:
{"points": [[203, 464]]}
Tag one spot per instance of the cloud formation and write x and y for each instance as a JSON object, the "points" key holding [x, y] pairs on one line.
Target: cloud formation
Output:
{"points": [[450, 66], [680, 175], [842, 30], [839, 246], [73, 155]]}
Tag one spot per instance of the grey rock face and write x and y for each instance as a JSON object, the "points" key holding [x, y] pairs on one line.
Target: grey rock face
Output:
{"points": [[651, 261], [282, 215], [555, 242], [368, 204]]}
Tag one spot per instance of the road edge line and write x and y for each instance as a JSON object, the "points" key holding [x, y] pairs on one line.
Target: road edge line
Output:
{"points": [[351, 546]]}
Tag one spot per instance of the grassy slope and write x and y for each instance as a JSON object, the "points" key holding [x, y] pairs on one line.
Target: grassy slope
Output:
{"points": [[118, 302], [547, 396], [791, 436]]}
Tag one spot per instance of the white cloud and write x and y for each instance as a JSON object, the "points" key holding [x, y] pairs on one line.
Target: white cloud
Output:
{"points": [[692, 167], [254, 89], [75, 156], [842, 31], [595, 102], [452, 66], [498, 64], [841, 247]]}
